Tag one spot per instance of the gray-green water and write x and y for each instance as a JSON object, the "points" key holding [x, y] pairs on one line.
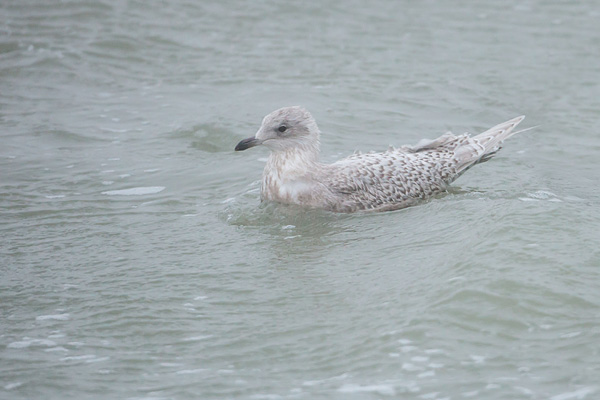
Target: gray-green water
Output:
{"points": [[138, 263]]}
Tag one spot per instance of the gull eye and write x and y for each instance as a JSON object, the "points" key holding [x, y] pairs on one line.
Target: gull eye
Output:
{"points": [[282, 128]]}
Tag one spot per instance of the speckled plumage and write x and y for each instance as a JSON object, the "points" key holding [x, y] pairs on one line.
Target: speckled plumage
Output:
{"points": [[396, 178]]}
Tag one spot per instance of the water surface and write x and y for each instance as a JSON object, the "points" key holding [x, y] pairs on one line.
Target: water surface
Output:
{"points": [[138, 263]]}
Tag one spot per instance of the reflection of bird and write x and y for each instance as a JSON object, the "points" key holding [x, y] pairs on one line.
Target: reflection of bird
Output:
{"points": [[394, 179]]}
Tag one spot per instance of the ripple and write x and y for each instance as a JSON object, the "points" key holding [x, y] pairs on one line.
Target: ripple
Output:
{"points": [[136, 191], [26, 343], [54, 317], [384, 390], [579, 394]]}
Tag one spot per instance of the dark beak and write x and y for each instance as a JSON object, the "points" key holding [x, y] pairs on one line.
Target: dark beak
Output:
{"points": [[247, 143]]}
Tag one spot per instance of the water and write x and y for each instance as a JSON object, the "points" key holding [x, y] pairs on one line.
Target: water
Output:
{"points": [[138, 263]]}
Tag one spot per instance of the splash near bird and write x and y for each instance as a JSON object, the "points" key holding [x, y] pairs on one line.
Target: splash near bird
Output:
{"points": [[397, 178]]}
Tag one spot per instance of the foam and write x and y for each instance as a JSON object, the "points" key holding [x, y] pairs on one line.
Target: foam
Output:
{"points": [[136, 191], [56, 317], [382, 389]]}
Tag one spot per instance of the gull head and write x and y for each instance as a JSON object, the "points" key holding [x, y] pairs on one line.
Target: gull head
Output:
{"points": [[284, 129]]}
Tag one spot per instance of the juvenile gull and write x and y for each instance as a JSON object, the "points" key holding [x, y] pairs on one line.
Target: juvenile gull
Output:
{"points": [[394, 179]]}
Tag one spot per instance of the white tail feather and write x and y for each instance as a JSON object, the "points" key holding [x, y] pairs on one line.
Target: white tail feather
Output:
{"points": [[482, 147], [493, 137]]}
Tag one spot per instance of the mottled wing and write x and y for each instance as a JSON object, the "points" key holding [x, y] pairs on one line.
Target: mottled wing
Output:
{"points": [[393, 179], [399, 177]]}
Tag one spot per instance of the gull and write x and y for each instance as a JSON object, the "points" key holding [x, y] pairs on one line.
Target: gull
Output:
{"points": [[390, 180]]}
